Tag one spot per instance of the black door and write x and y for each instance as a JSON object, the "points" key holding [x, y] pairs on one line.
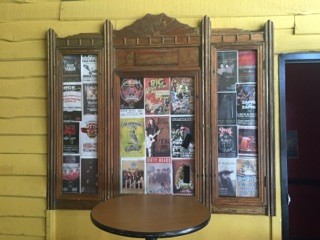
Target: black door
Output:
{"points": [[300, 145]]}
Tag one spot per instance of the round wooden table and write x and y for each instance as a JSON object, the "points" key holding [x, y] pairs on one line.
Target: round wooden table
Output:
{"points": [[150, 216]]}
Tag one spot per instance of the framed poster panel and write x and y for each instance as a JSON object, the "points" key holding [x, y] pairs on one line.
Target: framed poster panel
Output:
{"points": [[157, 133], [241, 166], [75, 97]]}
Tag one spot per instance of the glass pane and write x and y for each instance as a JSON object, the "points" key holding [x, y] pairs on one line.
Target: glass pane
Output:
{"points": [[157, 135], [80, 109], [237, 123]]}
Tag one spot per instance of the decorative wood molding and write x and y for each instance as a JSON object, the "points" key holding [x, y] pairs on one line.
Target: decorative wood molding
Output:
{"points": [[236, 35], [155, 26], [156, 30], [83, 40]]}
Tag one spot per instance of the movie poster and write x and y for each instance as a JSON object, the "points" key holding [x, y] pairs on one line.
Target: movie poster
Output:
{"points": [[71, 177], [159, 175], [89, 175], [247, 66], [157, 136], [227, 109], [247, 104], [183, 177], [72, 104], [247, 179], [227, 72], [71, 71], [131, 97], [227, 171], [248, 144], [89, 68], [132, 176], [182, 137], [88, 136], [157, 96], [227, 141], [71, 137], [182, 95], [132, 137], [71, 159], [90, 99]]}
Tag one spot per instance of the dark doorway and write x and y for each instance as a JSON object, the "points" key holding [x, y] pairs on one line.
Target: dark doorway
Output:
{"points": [[300, 145]]}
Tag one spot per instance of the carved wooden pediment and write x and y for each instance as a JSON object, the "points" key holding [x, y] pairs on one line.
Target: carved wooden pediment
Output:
{"points": [[156, 25]]}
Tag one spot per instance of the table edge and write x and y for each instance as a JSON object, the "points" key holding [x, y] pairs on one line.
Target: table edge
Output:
{"points": [[147, 234]]}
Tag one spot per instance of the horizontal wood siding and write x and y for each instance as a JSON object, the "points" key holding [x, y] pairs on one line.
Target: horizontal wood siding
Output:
{"points": [[36, 30], [23, 164], [22, 207], [23, 226], [28, 10], [23, 117], [23, 91], [307, 24], [20, 237], [124, 8]]}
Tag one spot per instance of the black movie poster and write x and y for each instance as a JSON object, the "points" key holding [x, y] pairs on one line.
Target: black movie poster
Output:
{"points": [[131, 97], [247, 104], [227, 110], [89, 175], [182, 137], [183, 177], [248, 66], [248, 141], [90, 99], [182, 95], [227, 142], [71, 71], [227, 70], [71, 174], [157, 136], [71, 137]]}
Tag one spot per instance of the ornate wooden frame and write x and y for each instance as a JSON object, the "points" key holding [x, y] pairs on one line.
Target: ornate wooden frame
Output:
{"points": [[159, 46]]}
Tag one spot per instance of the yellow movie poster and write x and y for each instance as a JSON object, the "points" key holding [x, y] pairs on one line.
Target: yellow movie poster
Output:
{"points": [[132, 137]]}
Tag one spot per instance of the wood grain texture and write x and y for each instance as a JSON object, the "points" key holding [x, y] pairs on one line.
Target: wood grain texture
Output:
{"points": [[159, 215]]}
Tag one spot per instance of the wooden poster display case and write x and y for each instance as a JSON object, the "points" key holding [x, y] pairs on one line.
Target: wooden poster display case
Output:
{"points": [[156, 108], [242, 165], [76, 91], [162, 57]]}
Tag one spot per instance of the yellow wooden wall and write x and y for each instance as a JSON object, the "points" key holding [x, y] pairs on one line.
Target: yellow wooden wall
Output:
{"points": [[23, 79]]}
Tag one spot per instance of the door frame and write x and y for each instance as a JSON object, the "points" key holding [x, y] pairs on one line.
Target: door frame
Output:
{"points": [[303, 57]]}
